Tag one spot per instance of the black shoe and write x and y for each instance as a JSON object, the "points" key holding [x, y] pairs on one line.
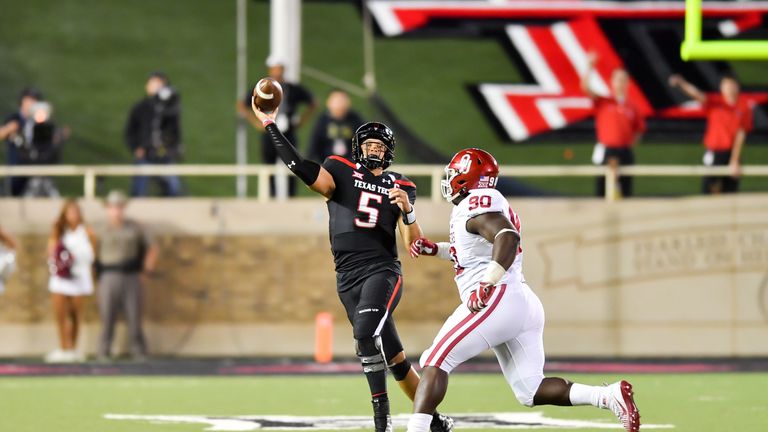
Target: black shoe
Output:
{"points": [[441, 423], [382, 421]]}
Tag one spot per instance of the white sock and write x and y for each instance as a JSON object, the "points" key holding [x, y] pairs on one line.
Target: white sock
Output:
{"points": [[587, 395], [419, 422]]}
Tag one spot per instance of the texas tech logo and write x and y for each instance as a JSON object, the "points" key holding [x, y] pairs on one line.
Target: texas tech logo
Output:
{"points": [[550, 41]]}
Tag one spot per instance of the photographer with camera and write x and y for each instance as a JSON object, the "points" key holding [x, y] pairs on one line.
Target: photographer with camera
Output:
{"points": [[153, 133], [32, 139]]}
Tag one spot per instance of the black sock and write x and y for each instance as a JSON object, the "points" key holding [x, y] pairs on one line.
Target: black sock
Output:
{"points": [[381, 417]]}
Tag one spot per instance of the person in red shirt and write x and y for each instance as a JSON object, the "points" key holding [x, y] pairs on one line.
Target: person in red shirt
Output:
{"points": [[619, 125], [729, 118]]}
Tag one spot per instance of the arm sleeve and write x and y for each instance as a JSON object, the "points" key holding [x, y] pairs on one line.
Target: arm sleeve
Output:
{"points": [[306, 170]]}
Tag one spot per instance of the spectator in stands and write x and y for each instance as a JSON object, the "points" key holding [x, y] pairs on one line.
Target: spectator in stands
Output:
{"points": [[126, 250], [8, 246], [12, 131], [43, 142], [289, 119], [153, 133], [619, 125], [71, 255], [333, 131], [729, 119]]}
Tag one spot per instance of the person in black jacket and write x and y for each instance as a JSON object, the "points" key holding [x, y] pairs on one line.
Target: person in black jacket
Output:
{"points": [[332, 134], [153, 133], [12, 130]]}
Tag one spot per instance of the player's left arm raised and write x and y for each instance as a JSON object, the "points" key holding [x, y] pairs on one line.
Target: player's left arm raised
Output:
{"points": [[407, 223]]}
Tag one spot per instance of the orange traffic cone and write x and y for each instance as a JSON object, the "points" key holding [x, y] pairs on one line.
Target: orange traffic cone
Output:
{"points": [[323, 337]]}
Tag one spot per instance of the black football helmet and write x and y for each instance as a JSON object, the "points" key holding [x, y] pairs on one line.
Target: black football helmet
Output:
{"points": [[378, 131]]}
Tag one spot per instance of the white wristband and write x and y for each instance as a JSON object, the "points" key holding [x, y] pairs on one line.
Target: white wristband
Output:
{"points": [[493, 273], [410, 217], [444, 250]]}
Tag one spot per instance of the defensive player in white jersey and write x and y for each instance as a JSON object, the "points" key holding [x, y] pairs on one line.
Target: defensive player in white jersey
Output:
{"points": [[498, 310]]}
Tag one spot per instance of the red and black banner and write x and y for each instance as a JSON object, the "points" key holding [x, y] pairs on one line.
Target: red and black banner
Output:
{"points": [[549, 42]]}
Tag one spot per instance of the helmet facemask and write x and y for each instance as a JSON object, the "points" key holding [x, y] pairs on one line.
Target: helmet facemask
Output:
{"points": [[379, 132], [446, 186], [374, 161]]}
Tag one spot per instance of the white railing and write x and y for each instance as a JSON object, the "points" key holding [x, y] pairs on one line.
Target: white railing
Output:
{"points": [[435, 172]]}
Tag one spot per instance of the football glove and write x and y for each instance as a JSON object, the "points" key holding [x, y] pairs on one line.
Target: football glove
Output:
{"points": [[423, 246], [478, 298]]}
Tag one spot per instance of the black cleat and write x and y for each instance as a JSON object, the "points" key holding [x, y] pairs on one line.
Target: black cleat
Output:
{"points": [[382, 421], [441, 423]]}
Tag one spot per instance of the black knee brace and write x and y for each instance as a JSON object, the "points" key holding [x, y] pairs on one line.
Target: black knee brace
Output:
{"points": [[400, 370], [370, 354]]}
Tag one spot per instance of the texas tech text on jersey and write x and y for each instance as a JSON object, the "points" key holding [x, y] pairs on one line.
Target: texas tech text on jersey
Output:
{"points": [[362, 219]]}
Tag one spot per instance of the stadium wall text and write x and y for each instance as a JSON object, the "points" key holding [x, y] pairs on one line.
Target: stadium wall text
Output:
{"points": [[646, 277]]}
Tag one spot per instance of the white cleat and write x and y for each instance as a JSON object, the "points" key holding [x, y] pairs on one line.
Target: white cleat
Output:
{"points": [[620, 400]]}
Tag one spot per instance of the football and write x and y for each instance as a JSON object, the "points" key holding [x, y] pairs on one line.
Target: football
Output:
{"points": [[267, 94]]}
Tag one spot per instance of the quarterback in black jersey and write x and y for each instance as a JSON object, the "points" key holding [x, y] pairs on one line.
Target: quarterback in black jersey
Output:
{"points": [[365, 204]]}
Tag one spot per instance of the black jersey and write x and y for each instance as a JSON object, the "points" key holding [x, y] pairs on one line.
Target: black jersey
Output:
{"points": [[362, 220]]}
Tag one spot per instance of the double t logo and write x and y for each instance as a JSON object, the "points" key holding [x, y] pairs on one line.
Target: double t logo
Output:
{"points": [[553, 39]]}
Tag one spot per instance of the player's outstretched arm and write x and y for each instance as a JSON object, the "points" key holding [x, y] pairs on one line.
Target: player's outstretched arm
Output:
{"points": [[409, 227], [425, 246], [310, 172], [497, 229]]}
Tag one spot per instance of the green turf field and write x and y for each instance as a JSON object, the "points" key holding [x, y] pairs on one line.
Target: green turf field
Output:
{"points": [[91, 58], [695, 402]]}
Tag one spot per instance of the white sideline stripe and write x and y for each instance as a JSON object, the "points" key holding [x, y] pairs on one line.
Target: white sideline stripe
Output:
{"points": [[506, 421]]}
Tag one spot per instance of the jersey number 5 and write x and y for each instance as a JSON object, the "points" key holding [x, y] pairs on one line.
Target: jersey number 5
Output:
{"points": [[363, 206]]}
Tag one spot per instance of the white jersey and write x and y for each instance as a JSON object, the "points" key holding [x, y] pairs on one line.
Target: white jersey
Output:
{"points": [[78, 244], [471, 253]]}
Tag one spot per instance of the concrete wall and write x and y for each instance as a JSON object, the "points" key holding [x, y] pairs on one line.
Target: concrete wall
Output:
{"points": [[636, 278]]}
